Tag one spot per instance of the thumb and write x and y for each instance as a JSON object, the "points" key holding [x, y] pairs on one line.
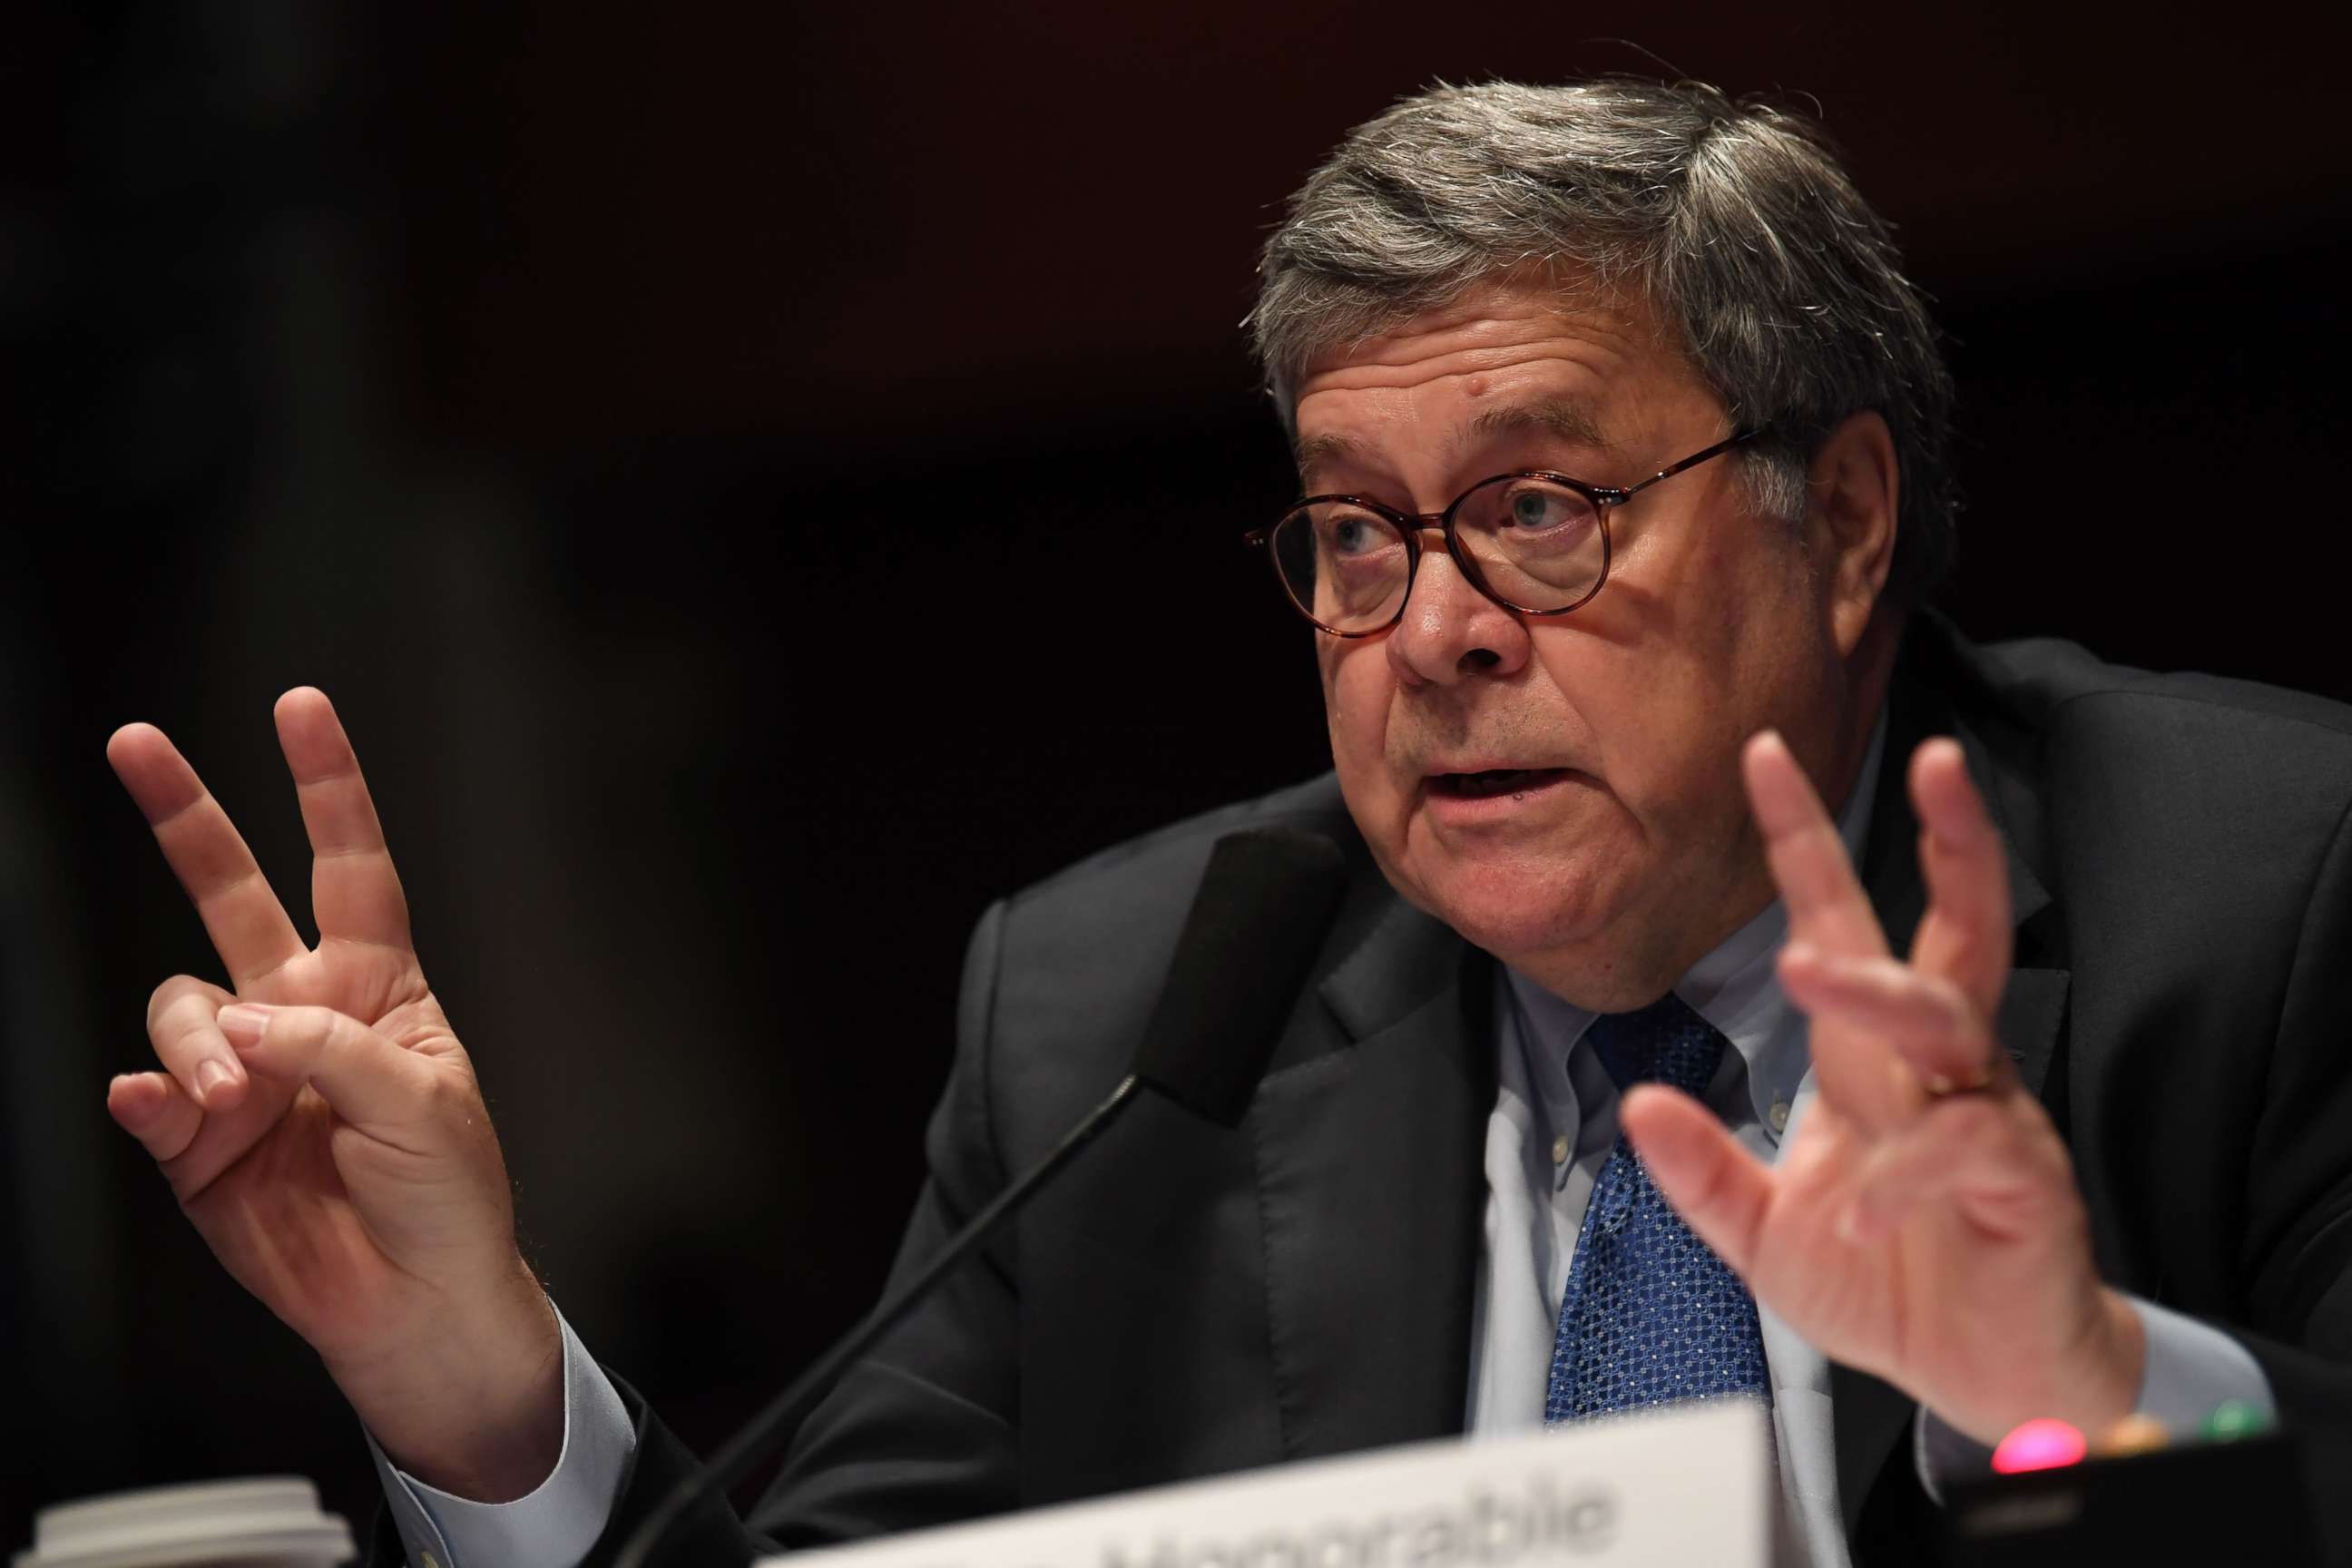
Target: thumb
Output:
{"points": [[369, 1082], [1720, 1189]]}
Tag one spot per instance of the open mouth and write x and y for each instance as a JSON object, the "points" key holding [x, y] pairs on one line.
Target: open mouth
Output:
{"points": [[1493, 781]]}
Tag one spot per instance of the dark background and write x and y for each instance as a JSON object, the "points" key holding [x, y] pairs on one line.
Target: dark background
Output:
{"points": [[759, 486]]}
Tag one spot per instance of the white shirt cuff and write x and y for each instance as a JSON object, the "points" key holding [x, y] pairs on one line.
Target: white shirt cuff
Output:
{"points": [[551, 1527], [2192, 1367]]}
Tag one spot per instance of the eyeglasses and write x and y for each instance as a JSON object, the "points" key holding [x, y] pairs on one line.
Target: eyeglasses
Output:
{"points": [[1533, 541]]}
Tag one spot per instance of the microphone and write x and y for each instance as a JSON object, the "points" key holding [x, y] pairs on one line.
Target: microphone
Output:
{"points": [[1254, 926], [1265, 902]]}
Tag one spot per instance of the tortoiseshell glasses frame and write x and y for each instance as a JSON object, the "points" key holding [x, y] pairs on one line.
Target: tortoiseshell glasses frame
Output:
{"points": [[1578, 545]]}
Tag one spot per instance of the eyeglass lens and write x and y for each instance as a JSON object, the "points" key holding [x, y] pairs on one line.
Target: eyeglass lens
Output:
{"points": [[1538, 546]]}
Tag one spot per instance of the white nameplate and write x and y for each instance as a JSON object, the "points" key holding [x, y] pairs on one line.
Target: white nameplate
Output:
{"points": [[1670, 1491]]}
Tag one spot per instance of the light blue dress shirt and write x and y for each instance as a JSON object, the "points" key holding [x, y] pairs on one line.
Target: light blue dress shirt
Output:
{"points": [[1554, 1121]]}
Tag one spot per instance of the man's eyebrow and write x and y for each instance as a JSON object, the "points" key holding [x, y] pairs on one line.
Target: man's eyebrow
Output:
{"points": [[1316, 450]]}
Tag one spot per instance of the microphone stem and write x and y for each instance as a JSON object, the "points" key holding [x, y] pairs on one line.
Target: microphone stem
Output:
{"points": [[729, 1464]]}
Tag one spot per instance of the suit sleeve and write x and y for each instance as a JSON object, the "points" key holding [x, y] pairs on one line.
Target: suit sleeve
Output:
{"points": [[923, 1430], [2298, 1243], [2298, 1256]]}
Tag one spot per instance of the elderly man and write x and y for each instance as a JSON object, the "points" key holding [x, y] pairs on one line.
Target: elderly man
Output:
{"points": [[1622, 439]]}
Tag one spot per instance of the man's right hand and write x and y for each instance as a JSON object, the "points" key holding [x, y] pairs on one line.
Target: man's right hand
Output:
{"points": [[322, 1128]]}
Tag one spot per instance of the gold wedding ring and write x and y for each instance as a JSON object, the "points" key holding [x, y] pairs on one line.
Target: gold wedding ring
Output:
{"points": [[1938, 1087]]}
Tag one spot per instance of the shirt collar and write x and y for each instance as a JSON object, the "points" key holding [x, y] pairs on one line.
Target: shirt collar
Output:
{"points": [[1736, 987]]}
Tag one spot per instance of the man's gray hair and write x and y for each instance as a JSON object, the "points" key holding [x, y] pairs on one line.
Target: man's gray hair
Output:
{"points": [[1734, 221]]}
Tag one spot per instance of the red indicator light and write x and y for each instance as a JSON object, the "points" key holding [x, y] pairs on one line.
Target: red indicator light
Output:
{"points": [[2039, 1445]]}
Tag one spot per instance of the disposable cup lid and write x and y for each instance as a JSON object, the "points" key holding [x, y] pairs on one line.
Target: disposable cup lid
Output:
{"points": [[273, 1520]]}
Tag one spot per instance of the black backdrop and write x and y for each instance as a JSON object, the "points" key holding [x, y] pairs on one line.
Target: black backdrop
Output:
{"points": [[759, 486]]}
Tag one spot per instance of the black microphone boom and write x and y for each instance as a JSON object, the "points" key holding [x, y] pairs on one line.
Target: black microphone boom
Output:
{"points": [[1255, 925]]}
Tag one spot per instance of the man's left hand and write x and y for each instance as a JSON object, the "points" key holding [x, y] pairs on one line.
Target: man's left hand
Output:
{"points": [[1923, 1224]]}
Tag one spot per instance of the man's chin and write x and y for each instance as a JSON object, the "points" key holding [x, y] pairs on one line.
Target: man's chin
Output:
{"points": [[1520, 912]]}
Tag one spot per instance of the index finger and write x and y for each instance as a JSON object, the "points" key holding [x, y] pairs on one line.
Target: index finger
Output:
{"points": [[249, 926], [1826, 904], [355, 894]]}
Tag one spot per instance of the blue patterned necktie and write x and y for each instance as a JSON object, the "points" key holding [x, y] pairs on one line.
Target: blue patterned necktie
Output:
{"points": [[1650, 1315]]}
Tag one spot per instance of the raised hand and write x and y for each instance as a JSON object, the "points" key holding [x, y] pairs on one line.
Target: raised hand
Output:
{"points": [[1923, 1224], [322, 1129]]}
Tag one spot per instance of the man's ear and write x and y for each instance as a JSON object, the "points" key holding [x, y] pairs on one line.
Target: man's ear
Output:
{"points": [[1852, 489]]}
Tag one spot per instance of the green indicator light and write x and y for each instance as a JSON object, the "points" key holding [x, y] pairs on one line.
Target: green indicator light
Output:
{"points": [[2233, 1419]]}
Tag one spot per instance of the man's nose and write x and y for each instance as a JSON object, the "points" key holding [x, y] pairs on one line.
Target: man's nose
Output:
{"points": [[1450, 631]]}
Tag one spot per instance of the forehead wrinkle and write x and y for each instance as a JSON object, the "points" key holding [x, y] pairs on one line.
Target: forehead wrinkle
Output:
{"points": [[1589, 340], [1567, 417]]}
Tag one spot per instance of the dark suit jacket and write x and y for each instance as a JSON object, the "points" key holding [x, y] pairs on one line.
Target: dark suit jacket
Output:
{"points": [[1191, 1301]]}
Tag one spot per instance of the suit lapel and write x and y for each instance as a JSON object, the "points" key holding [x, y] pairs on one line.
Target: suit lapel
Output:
{"points": [[1868, 1414], [1369, 1138]]}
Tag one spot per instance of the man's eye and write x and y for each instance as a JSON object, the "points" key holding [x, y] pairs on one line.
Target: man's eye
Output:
{"points": [[1356, 535], [1533, 509]]}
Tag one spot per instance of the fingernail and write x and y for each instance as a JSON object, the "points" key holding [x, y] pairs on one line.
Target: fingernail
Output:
{"points": [[211, 1077], [243, 1022]]}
